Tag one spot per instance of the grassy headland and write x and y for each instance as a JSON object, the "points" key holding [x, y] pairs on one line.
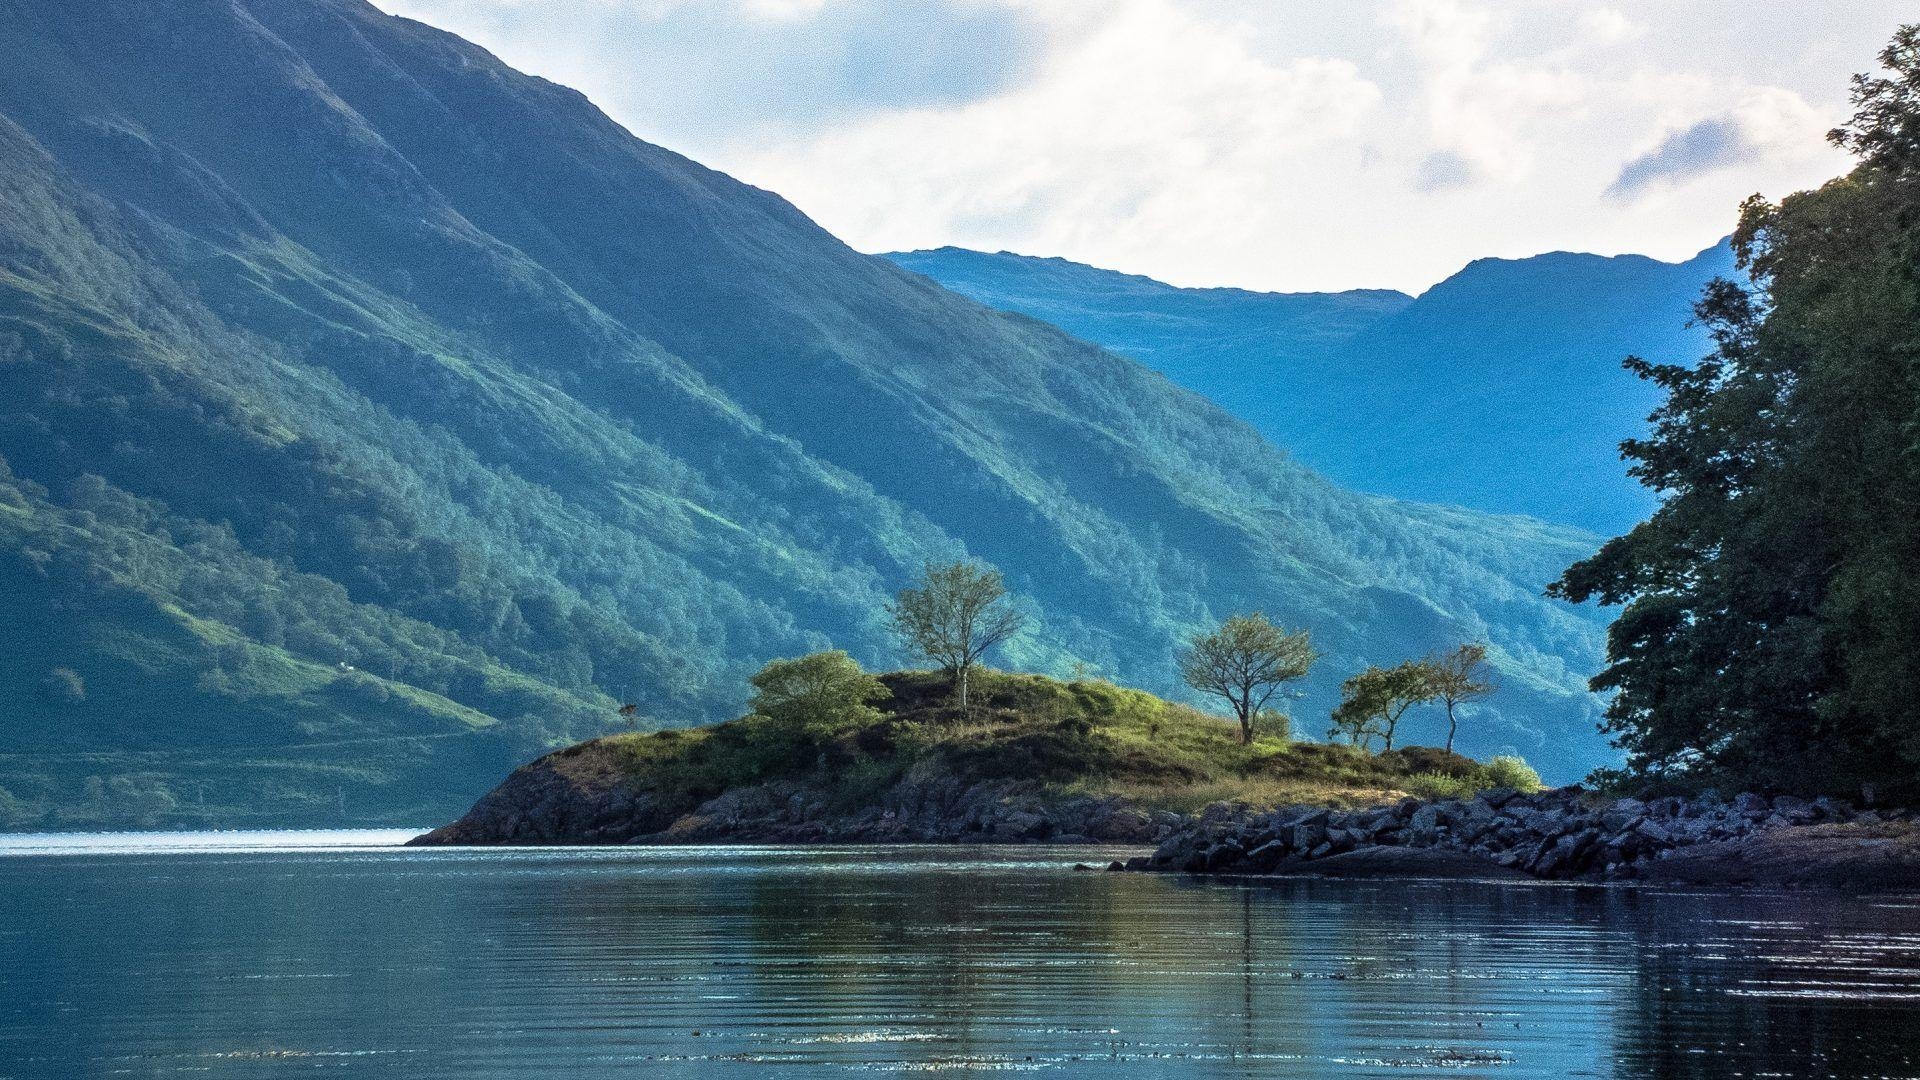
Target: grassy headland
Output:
{"points": [[1044, 741], [1082, 737]]}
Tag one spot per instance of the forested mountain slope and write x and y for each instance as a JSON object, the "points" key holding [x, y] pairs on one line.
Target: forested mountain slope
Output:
{"points": [[1499, 388], [374, 415]]}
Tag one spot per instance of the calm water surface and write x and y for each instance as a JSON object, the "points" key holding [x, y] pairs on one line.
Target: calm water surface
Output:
{"points": [[332, 955]]}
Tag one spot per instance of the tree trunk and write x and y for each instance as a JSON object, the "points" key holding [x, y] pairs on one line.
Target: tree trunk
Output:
{"points": [[963, 692], [1246, 730], [1451, 724]]}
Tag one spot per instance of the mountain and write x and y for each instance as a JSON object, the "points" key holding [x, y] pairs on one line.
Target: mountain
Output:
{"points": [[374, 416], [1500, 388]]}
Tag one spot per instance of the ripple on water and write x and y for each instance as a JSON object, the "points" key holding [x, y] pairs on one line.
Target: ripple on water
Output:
{"points": [[248, 959]]}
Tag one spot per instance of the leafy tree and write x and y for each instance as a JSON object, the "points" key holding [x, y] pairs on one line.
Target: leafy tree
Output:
{"points": [[817, 694], [1459, 676], [958, 612], [1358, 727], [1372, 702], [1246, 662], [1771, 628]]}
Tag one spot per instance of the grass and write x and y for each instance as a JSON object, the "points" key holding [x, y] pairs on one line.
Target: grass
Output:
{"points": [[1081, 737]]}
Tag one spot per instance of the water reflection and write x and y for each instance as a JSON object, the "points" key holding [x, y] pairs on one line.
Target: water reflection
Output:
{"points": [[762, 962]]}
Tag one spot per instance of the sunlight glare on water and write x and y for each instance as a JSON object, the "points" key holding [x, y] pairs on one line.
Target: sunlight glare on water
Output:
{"points": [[252, 955]]}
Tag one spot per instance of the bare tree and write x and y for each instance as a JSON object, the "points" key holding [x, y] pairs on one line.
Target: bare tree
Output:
{"points": [[958, 612], [1458, 676], [1246, 661]]}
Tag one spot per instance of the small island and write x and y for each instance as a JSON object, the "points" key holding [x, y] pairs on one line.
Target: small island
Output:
{"points": [[829, 753], [1031, 759], [1041, 760]]}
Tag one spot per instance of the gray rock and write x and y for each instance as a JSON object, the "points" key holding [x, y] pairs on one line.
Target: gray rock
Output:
{"points": [[1423, 829], [1309, 832]]}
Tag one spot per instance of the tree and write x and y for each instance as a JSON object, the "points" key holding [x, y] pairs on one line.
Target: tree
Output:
{"points": [[959, 611], [1771, 623], [817, 694], [1246, 661], [1358, 726], [1372, 702], [1459, 676]]}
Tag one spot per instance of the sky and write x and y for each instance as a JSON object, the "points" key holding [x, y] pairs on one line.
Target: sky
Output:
{"points": [[1270, 144]]}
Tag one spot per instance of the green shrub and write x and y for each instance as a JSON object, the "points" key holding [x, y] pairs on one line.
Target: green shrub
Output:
{"points": [[819, 693], [1440, 786], [15, 813], [1510, 771], [1272, 724]]}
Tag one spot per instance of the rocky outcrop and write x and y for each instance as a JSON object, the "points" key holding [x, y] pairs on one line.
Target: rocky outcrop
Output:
{"points": [[1561, 834], [570, 797], [560, 801]]}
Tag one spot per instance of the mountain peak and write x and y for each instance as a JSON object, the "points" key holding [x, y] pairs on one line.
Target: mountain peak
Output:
{"points": [[1499, 388]]}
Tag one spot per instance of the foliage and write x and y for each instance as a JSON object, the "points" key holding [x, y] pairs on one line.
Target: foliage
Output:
{"points": [[1273, 724], [1246, 662], [1771, 629], [1504, 771], [1373, 701], [818, 694], [64, 685], [1440, 786], [15, 813], [1085, 736], [1510, 771], [957, 612], [1456, 677], [1502, 338]]}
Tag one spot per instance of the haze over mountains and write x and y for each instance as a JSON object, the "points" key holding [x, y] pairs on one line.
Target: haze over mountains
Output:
{"points": [[373, 416], [1499, 388]]}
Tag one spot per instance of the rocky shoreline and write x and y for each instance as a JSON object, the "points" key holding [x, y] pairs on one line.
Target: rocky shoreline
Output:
{"points": [[585, 796], [545, 805], [1563, 834]]}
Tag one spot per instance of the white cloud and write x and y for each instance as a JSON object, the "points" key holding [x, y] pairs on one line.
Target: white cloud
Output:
{"points": [[784, 10], [1609, 26], [1154, 130], [1287, 146]]}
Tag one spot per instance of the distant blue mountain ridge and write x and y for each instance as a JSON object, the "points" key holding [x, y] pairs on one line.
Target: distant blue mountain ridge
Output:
{"points": [[1499, 389]]}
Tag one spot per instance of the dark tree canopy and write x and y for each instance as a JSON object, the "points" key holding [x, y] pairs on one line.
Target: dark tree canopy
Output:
{"points": [[1771, 628]]}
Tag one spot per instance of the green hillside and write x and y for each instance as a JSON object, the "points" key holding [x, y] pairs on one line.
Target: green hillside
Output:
{"points": [[1499, 388], [374, 416]]}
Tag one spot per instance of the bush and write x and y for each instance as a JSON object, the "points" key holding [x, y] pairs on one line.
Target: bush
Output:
{"points": [[1440, 786], [1510, 771], [15, 813], [1505, 771], [1271, 724], [818, 694]]}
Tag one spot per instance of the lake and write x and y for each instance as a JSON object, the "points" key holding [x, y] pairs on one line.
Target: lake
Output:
{"points": [[319, 954]]}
